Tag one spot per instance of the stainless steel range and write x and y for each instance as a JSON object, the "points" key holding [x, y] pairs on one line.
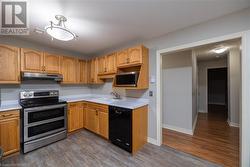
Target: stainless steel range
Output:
{"points": [[43, 119]]}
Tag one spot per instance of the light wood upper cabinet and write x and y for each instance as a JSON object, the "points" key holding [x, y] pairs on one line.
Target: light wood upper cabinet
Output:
{"points": [[94, 68], [68, 69], [9, 132], [31, 60], [82, 72], [107, 64], [135, 55], [101, 65], [52, 63], [122, 58], [111, 63], [130, 57], [9, 64]]}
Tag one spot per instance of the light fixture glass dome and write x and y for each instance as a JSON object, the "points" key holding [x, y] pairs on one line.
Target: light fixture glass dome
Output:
{"points": [[59, 31]]}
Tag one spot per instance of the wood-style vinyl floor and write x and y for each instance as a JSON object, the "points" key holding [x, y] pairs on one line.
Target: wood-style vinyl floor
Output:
{"points": [[213, 139], [85, 149]]}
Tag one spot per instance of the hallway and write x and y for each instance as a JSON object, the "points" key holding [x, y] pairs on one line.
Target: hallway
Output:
{"points": [[213, 139]]}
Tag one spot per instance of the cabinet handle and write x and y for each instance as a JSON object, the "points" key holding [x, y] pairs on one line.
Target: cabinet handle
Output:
{"points": [[127, 60], [118, 112], [96, 112]]}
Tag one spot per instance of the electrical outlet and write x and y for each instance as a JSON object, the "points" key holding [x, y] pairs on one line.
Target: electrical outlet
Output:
{"points": [[151, 93]]}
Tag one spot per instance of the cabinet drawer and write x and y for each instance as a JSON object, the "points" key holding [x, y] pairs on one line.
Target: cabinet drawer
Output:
{"points": [[98, 107], [9, 114]]}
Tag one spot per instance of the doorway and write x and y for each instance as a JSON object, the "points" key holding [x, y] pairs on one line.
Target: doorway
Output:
{"points": [[217, 79], [207, 133]]}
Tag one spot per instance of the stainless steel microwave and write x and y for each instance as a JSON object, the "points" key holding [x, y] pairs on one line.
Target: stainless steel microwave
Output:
{"points": [[128, 79]]}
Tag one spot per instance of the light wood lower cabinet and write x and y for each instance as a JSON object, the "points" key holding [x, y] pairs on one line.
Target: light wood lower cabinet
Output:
{"points": [[76, 116], [9, 131], [91, 116], [97, 119]]}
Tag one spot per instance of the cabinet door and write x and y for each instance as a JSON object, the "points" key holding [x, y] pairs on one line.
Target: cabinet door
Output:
{"points": [[9, 64], [92, 71], [68, 69], [31, 60], [135, 55], [89, 71], [82, 71], [9, 135], [102, 65], [84, 107], [52, 63], [111, 63], [73, 117], [103, 124], [122, 58], [92, 119]]}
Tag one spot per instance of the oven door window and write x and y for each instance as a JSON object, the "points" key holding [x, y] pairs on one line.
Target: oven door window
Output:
{"points": [[45, 114], [40, 129]]}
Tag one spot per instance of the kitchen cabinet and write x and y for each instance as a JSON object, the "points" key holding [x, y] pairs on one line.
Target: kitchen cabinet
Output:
{"points": [[69, 69], [76, 116], [94, 79], [9, 131], [31, 60], [107, 64], [131, 57], [51, 63], [82, 76], [97, 119], [36, 61], [122, 58], [9, 65]]}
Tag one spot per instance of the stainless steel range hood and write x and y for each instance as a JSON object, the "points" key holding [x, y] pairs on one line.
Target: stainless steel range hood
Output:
{"points": [[41, 76]]}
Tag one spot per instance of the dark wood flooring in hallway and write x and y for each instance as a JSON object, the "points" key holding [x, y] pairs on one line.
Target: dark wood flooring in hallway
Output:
{"points": [[213, 139]]}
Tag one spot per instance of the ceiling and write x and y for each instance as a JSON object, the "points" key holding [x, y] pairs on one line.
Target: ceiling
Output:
{"points": [[205, 53], [105, 24]]}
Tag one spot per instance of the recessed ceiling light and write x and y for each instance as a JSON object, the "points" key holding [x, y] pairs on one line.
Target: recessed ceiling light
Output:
{"points": [[220, 49], [59, 30]]}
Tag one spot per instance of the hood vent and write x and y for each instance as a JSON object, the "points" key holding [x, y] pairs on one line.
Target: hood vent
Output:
{"points": [[41, 76]]}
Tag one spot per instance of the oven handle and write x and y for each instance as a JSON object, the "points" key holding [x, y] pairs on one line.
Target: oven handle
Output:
{"points": [[41, 108]]}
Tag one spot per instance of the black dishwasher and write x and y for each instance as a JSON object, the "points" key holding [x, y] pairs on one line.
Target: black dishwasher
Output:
{"points": [[120, 127]]}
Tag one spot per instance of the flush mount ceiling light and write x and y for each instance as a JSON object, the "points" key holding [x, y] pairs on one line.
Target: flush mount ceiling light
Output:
{"points": [[59, 30], [220, 49]]}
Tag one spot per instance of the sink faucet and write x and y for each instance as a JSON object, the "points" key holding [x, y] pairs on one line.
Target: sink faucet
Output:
{"points": [[115, 95]]}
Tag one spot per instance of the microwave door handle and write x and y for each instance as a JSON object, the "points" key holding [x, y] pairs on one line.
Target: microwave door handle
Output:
{"points": [[41, 108]]}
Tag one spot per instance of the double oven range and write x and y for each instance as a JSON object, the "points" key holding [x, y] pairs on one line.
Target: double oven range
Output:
{"points": [[43, 119]]}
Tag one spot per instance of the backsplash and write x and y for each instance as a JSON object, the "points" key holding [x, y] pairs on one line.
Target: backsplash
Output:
{"points": [[11, 92]]}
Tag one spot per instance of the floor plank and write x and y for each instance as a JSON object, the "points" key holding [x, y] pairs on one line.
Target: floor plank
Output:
{"points": [[213, 139], [89, 150]]}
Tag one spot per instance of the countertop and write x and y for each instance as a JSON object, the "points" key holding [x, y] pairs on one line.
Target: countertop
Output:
{"points": [[9, 105], [125, 102]]}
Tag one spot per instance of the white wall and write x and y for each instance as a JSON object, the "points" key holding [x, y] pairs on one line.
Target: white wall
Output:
{"points": [[202, 80], [234, 64], [177, 91]]}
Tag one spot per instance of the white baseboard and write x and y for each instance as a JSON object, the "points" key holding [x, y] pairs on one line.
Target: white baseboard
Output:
{"points": [[233, 124], [178, 129], [194, 124], [202, 111], [152, 141]]}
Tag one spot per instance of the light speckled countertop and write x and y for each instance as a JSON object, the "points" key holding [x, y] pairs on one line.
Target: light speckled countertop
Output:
{"points": [[125, 102], [9, 105]]}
